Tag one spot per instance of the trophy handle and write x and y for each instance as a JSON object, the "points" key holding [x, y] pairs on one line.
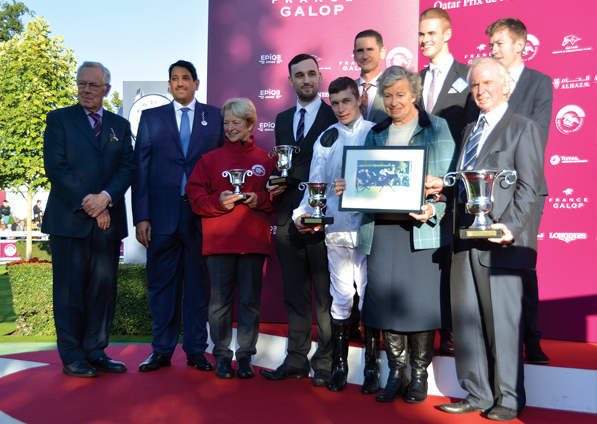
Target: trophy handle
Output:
{"points": [[450, 178], [297, 149], [510, 176], [225, 174], [302, 186], [272, 153], [249, 173]]}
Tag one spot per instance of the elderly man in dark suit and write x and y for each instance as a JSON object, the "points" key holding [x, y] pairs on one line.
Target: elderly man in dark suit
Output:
{"points": [[532, 97], [487, 275], [88, 158], [170, 141], [303, 257]]}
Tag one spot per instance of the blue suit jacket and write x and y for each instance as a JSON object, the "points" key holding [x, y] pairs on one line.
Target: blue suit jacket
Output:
{"points": [[160, 162], [76, 166]]}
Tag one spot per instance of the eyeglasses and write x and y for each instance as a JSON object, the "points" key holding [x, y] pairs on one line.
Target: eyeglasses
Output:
{"points": [[92, 85]]}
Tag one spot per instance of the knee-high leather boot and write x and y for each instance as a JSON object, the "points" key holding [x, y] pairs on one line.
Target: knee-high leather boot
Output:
{"points": [[340, 355], [421, 354], [371, 383], [395, 345]]}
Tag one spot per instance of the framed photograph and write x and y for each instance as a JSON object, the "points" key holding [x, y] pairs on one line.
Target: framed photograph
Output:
{"points": [[388, 179]]}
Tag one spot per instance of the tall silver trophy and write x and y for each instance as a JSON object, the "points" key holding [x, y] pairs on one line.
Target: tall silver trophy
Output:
{"points": [[317, 200], [237, 179], [479, 194], [284, 164]]}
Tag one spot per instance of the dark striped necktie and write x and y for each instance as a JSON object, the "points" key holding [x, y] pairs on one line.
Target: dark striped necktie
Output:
{"points": [[97, 126], [365, 99], [300, 130], [472, 146]]}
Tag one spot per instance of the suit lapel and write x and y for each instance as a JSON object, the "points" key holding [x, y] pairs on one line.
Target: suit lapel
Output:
{"points": [[107, 124], [82, 123], [200, 114], [377, 106], [169, 119]]}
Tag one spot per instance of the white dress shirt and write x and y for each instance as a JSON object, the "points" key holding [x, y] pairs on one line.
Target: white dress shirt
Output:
{"points": [[178, 112]]}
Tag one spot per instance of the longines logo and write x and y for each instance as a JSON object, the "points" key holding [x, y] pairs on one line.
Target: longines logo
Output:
{"points": [[266, 126], [571, 44], [530, 50], [568, 201], [556, 159], [269, 94], [267, 59], [399, 56], [569, 83], [569, 119], [568, 237]]}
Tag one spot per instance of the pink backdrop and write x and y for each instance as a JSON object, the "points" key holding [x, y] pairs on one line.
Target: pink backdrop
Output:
{"points": [[251, 43]]}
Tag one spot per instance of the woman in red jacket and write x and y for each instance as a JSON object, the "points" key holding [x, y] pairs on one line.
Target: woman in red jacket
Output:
{"points": [[236, 234]]}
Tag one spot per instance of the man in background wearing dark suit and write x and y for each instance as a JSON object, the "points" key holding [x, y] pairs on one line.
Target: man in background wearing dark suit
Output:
{"points": [[368, 52], [445, 94], [88, 158], [37, 212], [170, 141], [487, 275], [303, 257], [531, 96]]}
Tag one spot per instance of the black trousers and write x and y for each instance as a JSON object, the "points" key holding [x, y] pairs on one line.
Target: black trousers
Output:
{"points": [[225, 273], [84, 293]]}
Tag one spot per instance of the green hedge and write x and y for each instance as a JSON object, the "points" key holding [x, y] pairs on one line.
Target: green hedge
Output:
{"points": [[40, 250], [32, 291]]}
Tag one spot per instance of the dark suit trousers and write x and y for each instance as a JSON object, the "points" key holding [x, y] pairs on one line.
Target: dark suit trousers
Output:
{"points": [[225, 273], [84, 293], [174, 263], [487, 325], [303, 259], [530, 289]]}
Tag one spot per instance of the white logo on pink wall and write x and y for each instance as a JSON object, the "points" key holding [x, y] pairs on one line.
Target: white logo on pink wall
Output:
{"points": [[569, 119], [399, 56], [9, 250], [530, 50], [571, 44]]}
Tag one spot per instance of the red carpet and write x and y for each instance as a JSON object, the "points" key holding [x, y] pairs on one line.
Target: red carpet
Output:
{"points": [[180, 394]]}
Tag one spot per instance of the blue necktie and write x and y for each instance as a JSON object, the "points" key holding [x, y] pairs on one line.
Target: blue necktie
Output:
{"points": [[185, 137], [300, 130]]}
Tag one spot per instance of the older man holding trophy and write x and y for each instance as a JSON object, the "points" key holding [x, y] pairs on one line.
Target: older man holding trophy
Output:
{"points": [[487, 269], [348, 267]]}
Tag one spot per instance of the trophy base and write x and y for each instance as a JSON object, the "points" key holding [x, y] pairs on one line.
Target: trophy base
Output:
{"points": [[325, 220], [471, 233], [285, 181], [243, 196]]}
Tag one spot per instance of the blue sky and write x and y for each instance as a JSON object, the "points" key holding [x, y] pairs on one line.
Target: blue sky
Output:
{"points": [[136, 40]]}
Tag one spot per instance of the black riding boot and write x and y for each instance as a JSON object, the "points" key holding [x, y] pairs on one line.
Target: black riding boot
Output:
{"points": [[340, 355], [421, 354], [371, 383], [397, 384]]}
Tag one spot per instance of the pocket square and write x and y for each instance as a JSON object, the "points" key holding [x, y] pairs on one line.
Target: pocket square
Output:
{"points": [[452, 91]]}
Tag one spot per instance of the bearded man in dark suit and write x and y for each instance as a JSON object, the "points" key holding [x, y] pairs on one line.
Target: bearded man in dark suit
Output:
{"points": [[88, 158]]}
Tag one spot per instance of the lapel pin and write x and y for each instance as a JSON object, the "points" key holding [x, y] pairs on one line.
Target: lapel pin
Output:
{"points": [[203, 121]]}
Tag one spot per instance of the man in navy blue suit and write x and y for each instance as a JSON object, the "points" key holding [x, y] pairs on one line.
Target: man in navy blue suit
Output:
{"points": [[88, 158], [170, 141]]}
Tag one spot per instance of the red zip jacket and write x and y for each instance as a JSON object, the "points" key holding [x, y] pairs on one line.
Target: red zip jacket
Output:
{"points": [[241, 230]]}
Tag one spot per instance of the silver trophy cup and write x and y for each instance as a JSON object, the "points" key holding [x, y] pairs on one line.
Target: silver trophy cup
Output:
{"points": [[479, 194], [317, 200], [284, 163], [237, 179]]}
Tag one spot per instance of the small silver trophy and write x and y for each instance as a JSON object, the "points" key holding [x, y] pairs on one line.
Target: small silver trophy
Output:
{"points": [[284, 163], [317, 200], [237, 179], [479, 193]]}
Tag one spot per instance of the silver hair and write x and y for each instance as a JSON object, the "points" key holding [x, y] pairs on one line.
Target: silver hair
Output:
{"points": [[396, 73], [242, 108], [96, 65], [504, 75]]}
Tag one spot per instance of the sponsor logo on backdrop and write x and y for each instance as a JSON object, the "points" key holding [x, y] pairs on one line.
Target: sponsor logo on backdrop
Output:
{"points": [[324, 94], [569, 119], [569, 83], [266, 126], [258, 170], [332, 8], [482, 51], [10, 250], [568, 237], [270, 59], [556, 159], [568, 201], [463, 3], [572, 44], [530, 50], [540, 236], [269, 93], [349, 65], [399, 56]]}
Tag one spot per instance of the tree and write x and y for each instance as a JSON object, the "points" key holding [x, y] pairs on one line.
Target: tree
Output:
{"points": [[10, 19], [114, 103], [37, 75]]}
